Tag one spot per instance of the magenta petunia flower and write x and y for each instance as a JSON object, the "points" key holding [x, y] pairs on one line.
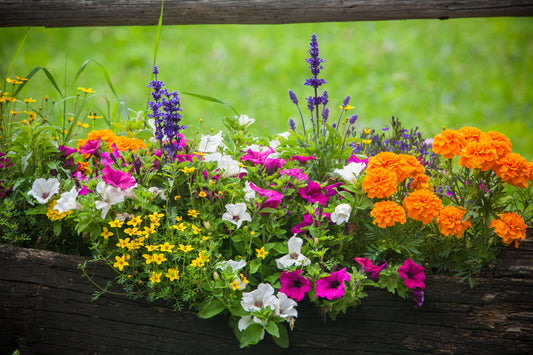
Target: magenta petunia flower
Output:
{"points": [[117, 178], [257, 158], [295, 285], [273, 164], [273, 197], [296, 172], [332, 286], [369, 268], [417, 295], [355, 159], [412, 274], [90, 147], [302, 160], [66, 150], [308, 220], [313, 193]]}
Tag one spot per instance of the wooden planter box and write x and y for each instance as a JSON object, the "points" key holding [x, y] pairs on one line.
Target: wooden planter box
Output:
{"points": [[46, 308]]}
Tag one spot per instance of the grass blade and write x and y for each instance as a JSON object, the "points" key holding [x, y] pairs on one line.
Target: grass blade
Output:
{"points": [[212, 99]]}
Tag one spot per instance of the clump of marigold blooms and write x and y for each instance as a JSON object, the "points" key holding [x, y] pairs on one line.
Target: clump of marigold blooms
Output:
{"points": [[422, 205], [448, 143], [485, 152], [513, 169], [380, 183], [403, 165], [120, 142], [450, 221], [510, 227], [387, 214]]}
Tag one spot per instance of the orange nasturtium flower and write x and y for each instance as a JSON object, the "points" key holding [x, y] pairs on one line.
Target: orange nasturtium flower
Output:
{"points": [[387, 213], [448, 143], [380, 182], [510, 227], [422, 205], [513, 169], [451, 222]]}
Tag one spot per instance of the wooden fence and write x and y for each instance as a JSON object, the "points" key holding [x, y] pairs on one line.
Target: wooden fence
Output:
{"points": [[75, 13]]}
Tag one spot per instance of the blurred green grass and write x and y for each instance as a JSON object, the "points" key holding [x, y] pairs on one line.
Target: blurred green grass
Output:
{"points": [[428, 73]]}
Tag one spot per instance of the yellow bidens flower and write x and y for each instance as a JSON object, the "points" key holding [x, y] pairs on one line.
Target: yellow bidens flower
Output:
{"points": [[173, 274], [155, 277], [135, 221], [235, 285], [187, 170], [53, 214], [29, 100], [87, 91], [93, 116], [120, 262], [106, 233], [193, 213], [185, 248], [261, 253], [166, 247]]}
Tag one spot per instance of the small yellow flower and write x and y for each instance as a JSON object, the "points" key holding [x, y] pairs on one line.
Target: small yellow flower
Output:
{"points": [[12, 81], [123, 243], [149, 258], [347, 107], [159, 258], [193, 213], [367, 141], [244, 279], [155, 277], [166, 247], [135, 221], [235, 285], [120, 262], [181, 227], [204, 238], [87, 91], [131, 231], [179, 218], [188, 170], [367, 130], [29, 100], [202, 194], [70, 119], [261, 253], [21, 78], [197, 263], [93, 116], [173, 274], [151, 247], [13, 112], [177, 197], [185, 248], [106, 233], [195, 229], [116, 223]]}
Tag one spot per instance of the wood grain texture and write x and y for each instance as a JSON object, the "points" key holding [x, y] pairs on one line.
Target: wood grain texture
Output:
{"points": [[74, 13], [45, 308]]}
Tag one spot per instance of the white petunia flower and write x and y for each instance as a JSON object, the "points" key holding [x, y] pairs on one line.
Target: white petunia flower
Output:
{"points": [[350, 172], [245, 121], [156, 191], [235, 265], [261, 297], [210, 144], [68, 202], [249, 193], [44, 189], [341, 214], [229, 166], [236, 214], [286, 306], [293, 257], [110, 195]]}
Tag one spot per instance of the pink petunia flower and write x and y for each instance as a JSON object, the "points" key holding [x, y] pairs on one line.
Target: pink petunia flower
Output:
{"points": [[332, 286], [273, 197], [296, 172], [295, 285], [256, 157], [90, 147], [369, 268], [412, 274], [117, 178]]}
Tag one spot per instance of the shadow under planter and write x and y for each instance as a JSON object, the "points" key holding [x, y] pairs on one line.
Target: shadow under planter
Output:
{"points": [[46, 308]]}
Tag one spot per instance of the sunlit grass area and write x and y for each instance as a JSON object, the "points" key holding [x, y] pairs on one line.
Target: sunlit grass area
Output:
{"points": [[428, 73]]}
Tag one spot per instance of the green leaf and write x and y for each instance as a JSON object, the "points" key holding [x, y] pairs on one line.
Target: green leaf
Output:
{"points": [[254, 265], [211, 308], [56, 226], [209, 98], [237, 310], [283, 339], [252, 335], [272, 329]]}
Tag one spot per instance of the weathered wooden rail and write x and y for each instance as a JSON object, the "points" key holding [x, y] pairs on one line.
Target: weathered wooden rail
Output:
{"points": [[46, 308], [75, 13]]}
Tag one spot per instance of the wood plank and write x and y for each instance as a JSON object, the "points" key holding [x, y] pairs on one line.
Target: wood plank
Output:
{"points": [[75, 13], [44, 300]]}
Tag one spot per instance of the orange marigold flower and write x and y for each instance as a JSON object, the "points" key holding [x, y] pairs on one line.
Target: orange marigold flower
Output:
{"points": [[106, 135], [409, 166], [422, 205], [513, 169], [501, 143], [387, 213], [448, 143], [510, 227], [403, 165], [470, 134], [531, 170], [380, 183], [481, 154], [450, 221], [386, 160], [124, 143], [420, 182]]}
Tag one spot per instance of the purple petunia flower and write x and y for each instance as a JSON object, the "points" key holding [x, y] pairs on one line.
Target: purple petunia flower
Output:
{"points": [[273, 164], [417, 295], [90, 147], [295, 285], [412, 274], [369, 268], [332, 286], [117, 178]]}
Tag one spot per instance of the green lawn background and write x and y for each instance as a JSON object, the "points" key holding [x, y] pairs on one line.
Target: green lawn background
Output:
{"points": [[428, 73]]}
